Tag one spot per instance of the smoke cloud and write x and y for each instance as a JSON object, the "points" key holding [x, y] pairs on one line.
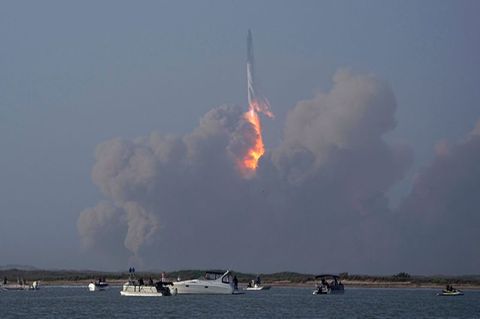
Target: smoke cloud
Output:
{"points": [[440, 217], [316, 203]]}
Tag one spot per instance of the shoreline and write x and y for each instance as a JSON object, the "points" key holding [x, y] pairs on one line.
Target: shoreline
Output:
{"points": [[280, 279], [387, 285], [287, 284]]}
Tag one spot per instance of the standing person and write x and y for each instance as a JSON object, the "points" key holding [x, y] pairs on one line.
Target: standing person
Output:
{"points": [[235, 282]]}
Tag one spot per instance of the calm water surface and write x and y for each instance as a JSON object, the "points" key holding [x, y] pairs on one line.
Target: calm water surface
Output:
{"points": [[78, 302]]}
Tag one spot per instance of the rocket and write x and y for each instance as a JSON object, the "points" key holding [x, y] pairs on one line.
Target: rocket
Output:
{"points": [[256, 105], [256, 101], [250, 74]]}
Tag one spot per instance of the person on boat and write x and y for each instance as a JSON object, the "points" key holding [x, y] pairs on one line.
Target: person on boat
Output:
{"points": [[257, 280], [150, 281], [249, 284], [5, 280], [325, 283], [235, 282], [140, 282]]}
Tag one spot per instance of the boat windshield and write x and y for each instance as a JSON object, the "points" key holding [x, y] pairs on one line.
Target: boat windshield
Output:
{"points": [[211, 275], [227, 279]]}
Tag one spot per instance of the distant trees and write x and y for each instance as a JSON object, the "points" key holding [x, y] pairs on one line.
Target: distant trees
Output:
{"points": [[402, 276], [343, 275]]}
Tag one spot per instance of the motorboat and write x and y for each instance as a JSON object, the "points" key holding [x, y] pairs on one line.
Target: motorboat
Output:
{"points": [[450, 291], [212, 283], [138, 288], [158, 289], [21, 284], [256, 285], [99, 285], [328, 284]]}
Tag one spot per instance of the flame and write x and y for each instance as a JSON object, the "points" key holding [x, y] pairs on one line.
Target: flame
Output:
{"points": [[249, 163]]}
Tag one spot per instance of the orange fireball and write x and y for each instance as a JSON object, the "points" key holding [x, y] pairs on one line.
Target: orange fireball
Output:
{"points": [[249, 163]]}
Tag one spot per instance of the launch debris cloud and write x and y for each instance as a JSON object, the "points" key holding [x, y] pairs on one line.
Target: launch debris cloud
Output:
{"points": [[182, 201], [183, 197]]}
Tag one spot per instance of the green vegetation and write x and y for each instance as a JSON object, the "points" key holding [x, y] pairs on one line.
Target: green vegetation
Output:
{"points": [[280, 277], [418, 280]]}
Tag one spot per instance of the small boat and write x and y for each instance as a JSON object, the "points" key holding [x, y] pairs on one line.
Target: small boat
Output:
{"points": [[256, 285], [450, 291], [212, 283], [35, 285], [335, 286], [20, 285], [99, 285], [138, 288]]}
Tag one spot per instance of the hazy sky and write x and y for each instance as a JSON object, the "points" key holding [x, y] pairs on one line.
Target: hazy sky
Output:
{"points": [[372, 84]]}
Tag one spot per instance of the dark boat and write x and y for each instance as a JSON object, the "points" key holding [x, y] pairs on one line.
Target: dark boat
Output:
{"points": [[328, 284]]}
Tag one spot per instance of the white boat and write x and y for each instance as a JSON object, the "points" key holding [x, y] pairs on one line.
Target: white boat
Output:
{"points": [[212, 283], [256, 285], [20, 285], [159, 289], [99, 285], [35, 285], [450, 291]]}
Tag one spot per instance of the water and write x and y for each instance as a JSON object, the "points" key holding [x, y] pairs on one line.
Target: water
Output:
{"points": [[78, 302]]}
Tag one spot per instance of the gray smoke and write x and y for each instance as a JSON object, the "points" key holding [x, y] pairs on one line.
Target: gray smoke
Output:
{"points": [[440, 218], [317, 203]]}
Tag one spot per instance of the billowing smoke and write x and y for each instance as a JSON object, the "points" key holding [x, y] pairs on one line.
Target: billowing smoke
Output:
{"points": [[441, 217], [317, 202]]}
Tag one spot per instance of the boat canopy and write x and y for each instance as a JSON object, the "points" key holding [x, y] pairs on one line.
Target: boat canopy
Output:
{"points": [[327, 276]]}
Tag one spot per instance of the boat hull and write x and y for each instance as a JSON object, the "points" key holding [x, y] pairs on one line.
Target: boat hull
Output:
{"points": [[450, 294], [131, 290], [97, 287], [17, 287], [329, 291], [203, 287], [258, 288]]}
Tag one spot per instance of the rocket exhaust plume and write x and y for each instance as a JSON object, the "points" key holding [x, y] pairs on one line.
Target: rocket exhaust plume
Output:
{"points": [[256, 105]]}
